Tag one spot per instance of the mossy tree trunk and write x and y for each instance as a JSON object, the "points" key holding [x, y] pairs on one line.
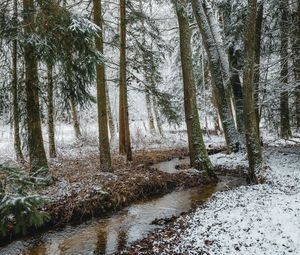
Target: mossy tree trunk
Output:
{"points": [[50, 109], [285, 128], [124, 131], [254, 150], [198, 153], [215, 66], [15, 95], [105, 157], [36, 149]]}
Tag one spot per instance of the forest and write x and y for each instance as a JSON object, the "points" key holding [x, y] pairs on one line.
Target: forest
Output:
{"points": [[149, 127]]}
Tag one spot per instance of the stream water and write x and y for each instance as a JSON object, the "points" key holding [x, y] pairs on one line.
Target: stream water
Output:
{"points": [[112, 234]]}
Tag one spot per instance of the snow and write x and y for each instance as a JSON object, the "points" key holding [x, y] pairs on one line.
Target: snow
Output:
{"points": [[69, 147], [260, 219]]}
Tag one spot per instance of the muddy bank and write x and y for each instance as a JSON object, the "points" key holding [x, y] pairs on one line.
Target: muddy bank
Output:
{"points": [[82, 191]]}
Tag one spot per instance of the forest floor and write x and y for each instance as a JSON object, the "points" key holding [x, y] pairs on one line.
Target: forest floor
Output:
{"points": [[258, 219]]}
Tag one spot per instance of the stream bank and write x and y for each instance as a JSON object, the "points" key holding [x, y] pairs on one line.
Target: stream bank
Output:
{"points": [[82, 191], [113, 234]]}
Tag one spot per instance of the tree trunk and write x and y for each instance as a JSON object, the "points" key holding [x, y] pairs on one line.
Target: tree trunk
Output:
{"points": [[105, 157], [296, 63], [75, 120], [36, 149], [237, 91], [285, 128], [150, 112], [51, 128], [157, 118], [230, 132], [124, 132], [259, 21], [230, 77], [252, 138], [16, 113], [112, 127], [198, 154]]}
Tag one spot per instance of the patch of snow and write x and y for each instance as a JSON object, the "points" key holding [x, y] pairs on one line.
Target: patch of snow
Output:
{"points": [[260, 219]]}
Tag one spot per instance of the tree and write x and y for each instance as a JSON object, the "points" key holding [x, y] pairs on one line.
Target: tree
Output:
{"points": [[124, 131], [215, 65], [285, 128], [50, 109], [105, 158], [259, 21], [36, 149], [252, 137], [15, 93], [198, 153], [296, 61]]}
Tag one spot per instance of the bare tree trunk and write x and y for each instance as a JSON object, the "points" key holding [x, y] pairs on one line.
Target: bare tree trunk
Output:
{"points": [[237, 91], [296, 63], [75, 119], [259, 21], [36, 149], [215, 65], [252, 138], [198, 153], [157, 118], [111, 124], [124, 132], [16, 113], [230, 77], [51, 128], [105, 157], [285, 128]]}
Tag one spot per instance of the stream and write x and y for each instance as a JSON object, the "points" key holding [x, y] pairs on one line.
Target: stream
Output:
{"points": [[112, 234]]}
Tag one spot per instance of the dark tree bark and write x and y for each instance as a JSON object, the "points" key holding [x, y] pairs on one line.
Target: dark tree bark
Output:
{"points": [[285, 128], [51, 126], [237, 91], [259, 21], [36, 149], [252, 138], [296, 63], [15, 85], [105, 157], [124, 131]]}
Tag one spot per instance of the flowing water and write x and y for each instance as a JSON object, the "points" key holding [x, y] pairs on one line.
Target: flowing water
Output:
{"points": [[112, 234]]}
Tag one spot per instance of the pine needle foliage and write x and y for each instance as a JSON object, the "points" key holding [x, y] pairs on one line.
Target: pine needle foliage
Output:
{"points": [[20, 207]]}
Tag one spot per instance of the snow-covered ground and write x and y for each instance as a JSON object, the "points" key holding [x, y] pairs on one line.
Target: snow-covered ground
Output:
{"points": [[260, 219], [68, 146]]}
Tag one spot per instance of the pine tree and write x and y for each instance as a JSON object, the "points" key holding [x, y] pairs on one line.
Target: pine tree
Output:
{"points": [[124, 131], [105, 158], [15, 92], [36, 149], [50, 111]]}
